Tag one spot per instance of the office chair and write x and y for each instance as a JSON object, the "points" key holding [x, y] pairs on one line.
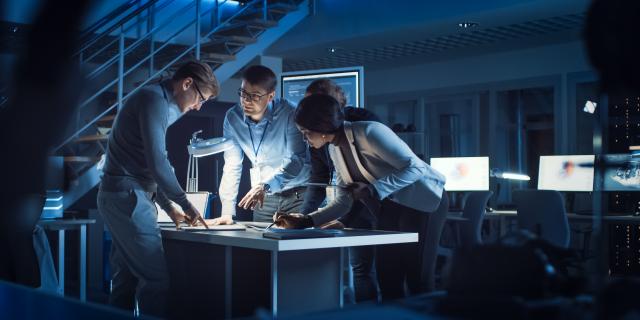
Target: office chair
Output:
{"points": [[469, 232], [431, 244], [542, 212]]}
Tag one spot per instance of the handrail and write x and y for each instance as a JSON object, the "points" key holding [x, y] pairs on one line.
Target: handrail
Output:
{"points": [[113, 82], [134, 45], [114, 59], [117, 25], [158, 8], [123, 52], [107, 19]]}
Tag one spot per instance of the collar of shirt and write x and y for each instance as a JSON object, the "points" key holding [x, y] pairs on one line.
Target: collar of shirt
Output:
{"points": [[268, 115], [167, 91]]}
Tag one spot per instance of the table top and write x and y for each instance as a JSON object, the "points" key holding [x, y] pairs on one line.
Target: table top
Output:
{"points": [[64, 223], [253, 239], [457, 216]]}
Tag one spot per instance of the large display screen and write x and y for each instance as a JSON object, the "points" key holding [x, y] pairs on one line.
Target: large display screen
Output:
{"points": [[566, 173], [464, 173], [621, 172], [294, 84]]}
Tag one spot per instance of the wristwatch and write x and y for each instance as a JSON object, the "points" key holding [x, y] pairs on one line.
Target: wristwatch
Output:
{"points": [[266, 187]]}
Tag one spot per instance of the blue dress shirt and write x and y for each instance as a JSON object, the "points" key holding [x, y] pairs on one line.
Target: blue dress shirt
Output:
{"points": [[273, 145]]}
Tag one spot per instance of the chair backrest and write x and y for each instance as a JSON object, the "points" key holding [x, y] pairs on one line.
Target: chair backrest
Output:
{"points": [[474, 209], [542, 212], [432, 239]]}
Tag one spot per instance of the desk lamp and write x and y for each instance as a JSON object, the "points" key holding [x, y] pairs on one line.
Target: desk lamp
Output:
{"points": [[199, 148]]}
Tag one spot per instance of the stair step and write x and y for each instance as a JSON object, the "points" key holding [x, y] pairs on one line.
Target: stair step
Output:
{"points": [[278, 8], [236, 40], [106, 118], [93, 138], [80, 159], [261, 23], [216, 57], [256, 23]]}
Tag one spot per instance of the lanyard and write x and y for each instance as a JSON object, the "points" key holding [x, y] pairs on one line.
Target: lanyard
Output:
{"points": [[253, 146]]}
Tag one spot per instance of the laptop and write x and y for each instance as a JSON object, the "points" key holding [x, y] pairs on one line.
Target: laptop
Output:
{"points": [[200, 201]]}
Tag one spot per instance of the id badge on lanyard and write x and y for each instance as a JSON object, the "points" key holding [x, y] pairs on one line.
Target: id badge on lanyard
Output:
{"points": [[255, 172]]}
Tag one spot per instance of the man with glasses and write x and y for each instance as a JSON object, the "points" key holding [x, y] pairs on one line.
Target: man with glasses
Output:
{"points": [[137, 173], [263, 129]]}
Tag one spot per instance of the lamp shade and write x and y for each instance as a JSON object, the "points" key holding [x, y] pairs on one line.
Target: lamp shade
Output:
{"points": [[202, 148]]}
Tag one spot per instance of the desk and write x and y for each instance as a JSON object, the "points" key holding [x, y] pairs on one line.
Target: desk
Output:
{"points": [[61, 225], [503, 215], [233, 273]]}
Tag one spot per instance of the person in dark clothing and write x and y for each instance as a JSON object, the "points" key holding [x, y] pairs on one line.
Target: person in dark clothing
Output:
{"points": [[359, 217], [41, 99], [137, 172]]}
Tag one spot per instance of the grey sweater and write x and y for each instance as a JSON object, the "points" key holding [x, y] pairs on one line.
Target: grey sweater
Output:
{"points": [[136, 153]]}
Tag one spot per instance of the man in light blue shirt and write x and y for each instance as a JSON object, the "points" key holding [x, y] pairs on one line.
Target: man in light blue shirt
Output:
{"points": [[262, 128]]}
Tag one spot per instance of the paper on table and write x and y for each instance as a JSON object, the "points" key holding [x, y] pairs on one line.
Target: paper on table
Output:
{"points": [[215, 228]]}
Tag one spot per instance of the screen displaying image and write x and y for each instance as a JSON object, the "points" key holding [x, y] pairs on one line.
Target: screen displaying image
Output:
{"points": [[621, 172], [465, 173], [294, 85], [566, 173]]}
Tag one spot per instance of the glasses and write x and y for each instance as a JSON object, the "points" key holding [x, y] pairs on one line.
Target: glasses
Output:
{"points": [[250, 96], [202, 99]]}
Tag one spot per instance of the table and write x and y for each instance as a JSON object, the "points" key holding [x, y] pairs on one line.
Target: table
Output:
{"points": [[233, 273], [503, 215], [61, 225]]}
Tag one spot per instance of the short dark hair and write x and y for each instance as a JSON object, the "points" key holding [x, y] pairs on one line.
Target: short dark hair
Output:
{"points": [[201, 73], [320, 113], [261, 76], [327, 86]]}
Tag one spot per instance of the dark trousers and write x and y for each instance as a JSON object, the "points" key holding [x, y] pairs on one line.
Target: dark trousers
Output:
{"points": [[361, 258], [138, 266], [405, 264], [288, 201]]}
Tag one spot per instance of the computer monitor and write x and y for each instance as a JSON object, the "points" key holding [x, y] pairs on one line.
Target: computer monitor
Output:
{"points": [[621, 172], [464, 173], [351, 80], [566, 173], [200, 200]]}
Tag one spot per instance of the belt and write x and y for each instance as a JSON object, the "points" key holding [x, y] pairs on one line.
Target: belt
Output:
{"points": [[120, 183], [291, 191]]}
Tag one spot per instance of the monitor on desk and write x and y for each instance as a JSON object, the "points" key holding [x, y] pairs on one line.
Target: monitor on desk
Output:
{"points": [[566, 173], [464, 173], [621, 172], [351, 80], [200, 201]]}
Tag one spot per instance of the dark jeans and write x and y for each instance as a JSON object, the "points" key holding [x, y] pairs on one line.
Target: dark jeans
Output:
{"points": [[288, 201], [404, 264], [362, 258]]}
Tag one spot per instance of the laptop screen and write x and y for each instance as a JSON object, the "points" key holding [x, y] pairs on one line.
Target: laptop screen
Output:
{"points": [[200, 201]]}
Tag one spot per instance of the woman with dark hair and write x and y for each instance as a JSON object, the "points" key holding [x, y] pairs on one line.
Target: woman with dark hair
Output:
{"points": [[379, 169], [361, 258]]}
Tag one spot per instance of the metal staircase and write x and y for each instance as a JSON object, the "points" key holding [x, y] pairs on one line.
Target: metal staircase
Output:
{"points": [[140, 42]]}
